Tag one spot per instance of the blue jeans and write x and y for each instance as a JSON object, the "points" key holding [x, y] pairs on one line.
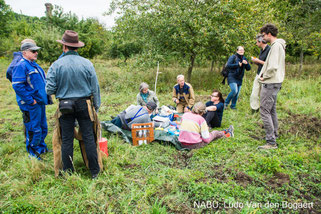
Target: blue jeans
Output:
{"points": [[233, 95]]}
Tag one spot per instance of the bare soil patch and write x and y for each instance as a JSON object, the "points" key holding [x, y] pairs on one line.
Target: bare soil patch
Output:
{"points": [[278, 180], [303, 125]]}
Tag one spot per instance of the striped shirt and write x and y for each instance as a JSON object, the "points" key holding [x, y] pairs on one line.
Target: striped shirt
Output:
{"points": [[194, 129]]}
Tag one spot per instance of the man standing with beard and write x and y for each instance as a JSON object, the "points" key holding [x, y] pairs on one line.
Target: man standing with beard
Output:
{"points": [[271, 78]]}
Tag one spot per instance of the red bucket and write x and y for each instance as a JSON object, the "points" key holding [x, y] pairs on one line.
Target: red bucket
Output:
{"points": [[103, 145]]}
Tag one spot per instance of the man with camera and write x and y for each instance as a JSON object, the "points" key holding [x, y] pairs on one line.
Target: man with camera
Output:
{"points": [[255, 95]]}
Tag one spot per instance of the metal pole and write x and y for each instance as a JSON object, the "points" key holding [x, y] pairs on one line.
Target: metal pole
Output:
{"points": [[156, 76]]}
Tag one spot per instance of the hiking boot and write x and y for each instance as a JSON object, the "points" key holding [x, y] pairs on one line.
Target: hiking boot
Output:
{"points": [[268, 146]]}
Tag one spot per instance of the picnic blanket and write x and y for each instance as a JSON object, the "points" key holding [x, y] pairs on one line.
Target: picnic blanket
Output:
{"points": [[159, 135]]}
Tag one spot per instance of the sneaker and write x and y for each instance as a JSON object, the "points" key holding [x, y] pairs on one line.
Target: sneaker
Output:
{"points": [[231, 130], [268, 146], [255, 111]]}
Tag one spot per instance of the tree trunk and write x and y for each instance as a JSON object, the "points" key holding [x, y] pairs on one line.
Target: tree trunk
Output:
{"points": [[190, 67], [301, 60], [212, 65]]}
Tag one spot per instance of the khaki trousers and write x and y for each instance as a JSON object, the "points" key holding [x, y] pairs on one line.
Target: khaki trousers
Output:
{"points": [[180, 106]]}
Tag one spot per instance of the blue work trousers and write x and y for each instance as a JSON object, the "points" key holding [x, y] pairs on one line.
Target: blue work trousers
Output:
{"points": [[35, 121]]}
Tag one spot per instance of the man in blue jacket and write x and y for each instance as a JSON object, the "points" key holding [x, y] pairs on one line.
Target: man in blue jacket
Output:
{"points": [[29, 81], [17, 56]]}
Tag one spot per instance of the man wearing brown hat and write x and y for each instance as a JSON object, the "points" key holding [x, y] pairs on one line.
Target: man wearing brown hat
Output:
{"points": [[73, 80]]}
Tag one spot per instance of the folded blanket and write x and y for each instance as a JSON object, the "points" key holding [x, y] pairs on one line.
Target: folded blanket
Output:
{"points": [[159, 135]]}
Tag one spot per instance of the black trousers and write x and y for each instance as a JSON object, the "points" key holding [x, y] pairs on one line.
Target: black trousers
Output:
{"points": [[67, 124], [212, 119]]}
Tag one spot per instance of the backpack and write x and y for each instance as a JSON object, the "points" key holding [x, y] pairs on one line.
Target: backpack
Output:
{"points": [[225, 71]]}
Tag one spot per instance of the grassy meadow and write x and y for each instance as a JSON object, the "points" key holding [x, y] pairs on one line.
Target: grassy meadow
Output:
{"points": [[227, 176]]}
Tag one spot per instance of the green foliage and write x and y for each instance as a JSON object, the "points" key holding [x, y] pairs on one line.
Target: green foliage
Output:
{"points": [[302, 25], [268, 165], [5, 15], [46, 30], [314, 42], [191, 30], [46, 39], [124, 50]]}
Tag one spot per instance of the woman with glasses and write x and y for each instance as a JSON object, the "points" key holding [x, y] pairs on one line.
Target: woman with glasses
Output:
{"points": [[214, 109], [236, 65]]}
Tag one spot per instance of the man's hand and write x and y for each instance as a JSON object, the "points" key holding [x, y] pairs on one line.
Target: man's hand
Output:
{"points": [[176, 101], [244, 61], [261, 78], [240, 64], [254, 59], [34, 102]]}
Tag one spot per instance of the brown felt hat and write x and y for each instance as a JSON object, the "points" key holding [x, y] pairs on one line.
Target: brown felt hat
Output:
{"points": [[70, 38]]}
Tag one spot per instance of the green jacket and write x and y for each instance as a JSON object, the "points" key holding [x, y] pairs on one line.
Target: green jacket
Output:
{"points": [[151, 97]]}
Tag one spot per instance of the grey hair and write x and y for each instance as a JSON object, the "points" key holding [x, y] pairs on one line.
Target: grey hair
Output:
{"points": [[199, 108], [259, 38], [28, 40], [238, 47], [142, 86], [180, 76]]}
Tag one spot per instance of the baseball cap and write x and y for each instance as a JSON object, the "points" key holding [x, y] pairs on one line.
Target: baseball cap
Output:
{"points": [[29, 46]]}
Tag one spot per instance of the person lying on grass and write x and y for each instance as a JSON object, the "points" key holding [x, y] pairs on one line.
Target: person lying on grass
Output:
{"points": [[194, 132], [134, 114], [214, 110]]}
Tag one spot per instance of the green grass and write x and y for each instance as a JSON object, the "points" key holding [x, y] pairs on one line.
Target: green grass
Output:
{"points": [[159, 179]]}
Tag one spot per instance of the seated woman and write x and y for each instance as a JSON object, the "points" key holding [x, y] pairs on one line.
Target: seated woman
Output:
{"points": [[194, 131], [145, 95], [214, 110]]}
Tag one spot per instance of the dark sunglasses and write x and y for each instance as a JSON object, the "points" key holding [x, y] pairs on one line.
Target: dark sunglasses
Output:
{"points": [[34, 51]]}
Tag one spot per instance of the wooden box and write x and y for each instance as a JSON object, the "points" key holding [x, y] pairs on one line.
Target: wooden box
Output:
{"points": [[142, 133]]}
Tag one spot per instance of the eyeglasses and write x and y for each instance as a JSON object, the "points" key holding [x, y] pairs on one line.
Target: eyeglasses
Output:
{"points": [[34, 51]]}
